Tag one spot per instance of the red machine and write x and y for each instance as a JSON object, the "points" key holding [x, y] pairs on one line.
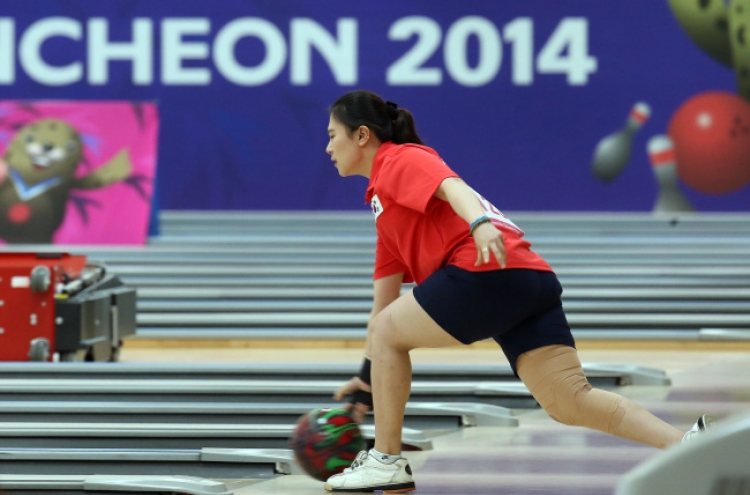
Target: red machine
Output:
{"points": [[57, 305]]}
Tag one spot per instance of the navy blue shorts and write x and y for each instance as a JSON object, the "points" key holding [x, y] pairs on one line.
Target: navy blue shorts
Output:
{"points": [[520, 309]]}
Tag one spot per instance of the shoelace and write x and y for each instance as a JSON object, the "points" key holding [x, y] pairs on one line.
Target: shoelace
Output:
{"points": [[358, 461], [704, 423]]}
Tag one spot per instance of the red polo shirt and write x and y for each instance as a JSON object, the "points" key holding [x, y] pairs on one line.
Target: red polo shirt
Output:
{"points": [[419, 233]]}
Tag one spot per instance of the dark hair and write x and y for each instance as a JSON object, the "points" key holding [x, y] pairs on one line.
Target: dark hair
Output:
{"points": [[384, 118]]}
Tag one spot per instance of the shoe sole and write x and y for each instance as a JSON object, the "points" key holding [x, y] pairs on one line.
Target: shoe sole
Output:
{"points": [[400, 488]]}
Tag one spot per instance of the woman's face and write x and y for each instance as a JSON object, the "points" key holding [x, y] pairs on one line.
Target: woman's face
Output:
{"points": [[345, 150]]}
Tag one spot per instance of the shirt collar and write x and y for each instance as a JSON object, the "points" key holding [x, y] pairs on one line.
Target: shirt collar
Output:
{"points": [[380, 156]]}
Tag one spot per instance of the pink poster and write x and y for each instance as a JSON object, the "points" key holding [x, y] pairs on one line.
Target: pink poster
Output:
{"points": [[76, 172]]}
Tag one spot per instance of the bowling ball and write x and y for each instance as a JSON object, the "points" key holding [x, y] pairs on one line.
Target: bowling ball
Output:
{"points": [[711, 135], [326, 441]]}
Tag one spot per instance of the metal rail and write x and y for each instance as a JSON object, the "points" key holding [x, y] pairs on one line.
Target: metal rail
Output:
{"points": [[598, 374], [168, 436], [13, 484], [510, 395], [418, 416], [204, 463]]}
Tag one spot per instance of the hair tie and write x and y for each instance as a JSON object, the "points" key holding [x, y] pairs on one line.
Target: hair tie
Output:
{"points": [[392, 110]]}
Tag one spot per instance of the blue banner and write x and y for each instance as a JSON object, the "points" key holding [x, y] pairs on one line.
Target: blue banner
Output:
{"points": [[516, 96]]}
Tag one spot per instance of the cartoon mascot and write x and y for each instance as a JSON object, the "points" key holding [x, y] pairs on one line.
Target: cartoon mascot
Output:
{"points": [[37, 175]]}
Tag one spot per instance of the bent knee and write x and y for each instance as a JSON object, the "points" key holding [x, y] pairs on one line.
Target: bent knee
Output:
{"points": [[381, 331], [554, 413], [566, 402]]}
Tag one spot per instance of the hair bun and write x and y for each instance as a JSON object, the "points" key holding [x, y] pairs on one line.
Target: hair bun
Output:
{"points": [[392, 110]]}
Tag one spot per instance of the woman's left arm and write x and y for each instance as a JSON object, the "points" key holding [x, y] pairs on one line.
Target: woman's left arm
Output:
{"points": [[465, 203]]}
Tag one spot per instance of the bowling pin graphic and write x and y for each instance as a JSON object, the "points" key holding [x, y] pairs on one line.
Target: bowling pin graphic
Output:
{"points": [[669, 198], [612, 153]]}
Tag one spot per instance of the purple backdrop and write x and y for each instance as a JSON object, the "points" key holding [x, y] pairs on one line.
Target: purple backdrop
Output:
{"points": [[243, 122]]}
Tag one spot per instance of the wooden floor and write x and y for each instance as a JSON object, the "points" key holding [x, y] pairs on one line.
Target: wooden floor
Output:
{"points": [[539, 457]]}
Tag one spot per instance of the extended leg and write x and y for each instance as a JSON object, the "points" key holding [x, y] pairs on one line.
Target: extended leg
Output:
{"points": [[554, 376]]}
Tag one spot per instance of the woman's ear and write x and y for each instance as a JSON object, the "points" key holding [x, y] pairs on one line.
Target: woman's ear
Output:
{"points": [[364, 135]]}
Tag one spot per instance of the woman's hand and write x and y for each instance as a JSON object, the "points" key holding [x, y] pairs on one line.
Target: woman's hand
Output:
{"points": [[489, 239], [356, 409]]}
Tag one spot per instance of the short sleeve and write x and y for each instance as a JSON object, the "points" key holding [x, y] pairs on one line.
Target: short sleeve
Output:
{"points": [[387, 264], [413, 175]]}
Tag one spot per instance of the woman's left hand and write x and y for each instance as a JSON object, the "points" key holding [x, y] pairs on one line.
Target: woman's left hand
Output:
{"points": [[489, 239]]}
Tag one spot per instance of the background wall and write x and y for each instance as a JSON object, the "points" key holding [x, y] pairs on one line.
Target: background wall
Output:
{"points": [[514, 95]]}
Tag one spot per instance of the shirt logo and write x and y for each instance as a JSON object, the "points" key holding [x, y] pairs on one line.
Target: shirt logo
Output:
{"points": [[377, 206]]}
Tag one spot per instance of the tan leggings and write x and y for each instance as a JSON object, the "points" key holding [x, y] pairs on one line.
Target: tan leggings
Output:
{"points": [[554, 376]]}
